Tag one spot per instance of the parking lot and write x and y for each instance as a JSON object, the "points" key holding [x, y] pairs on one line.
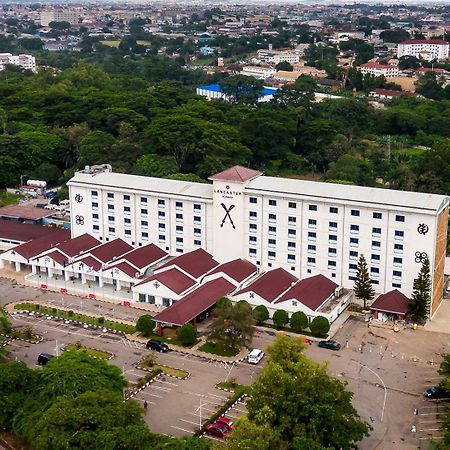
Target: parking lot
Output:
{"points": [[387, 372], [175, 407]]}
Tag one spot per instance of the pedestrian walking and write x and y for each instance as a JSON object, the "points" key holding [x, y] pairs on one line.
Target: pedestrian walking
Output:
{"points": [[145, 405]]}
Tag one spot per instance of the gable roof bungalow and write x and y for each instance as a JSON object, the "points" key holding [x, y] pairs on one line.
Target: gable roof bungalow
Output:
{"points": [[392, 305], [24, 253], [132, 265], [312, 292], [198, 302], [266, 288], [238, 271], [194, 264], [163, 288]]}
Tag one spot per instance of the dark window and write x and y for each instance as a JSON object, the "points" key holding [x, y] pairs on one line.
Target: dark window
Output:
{"points": [[399, 218], [355, 212], [333, 210], [292, 205], [272, 203], [377, 215], [253, 200], [312, 207]]}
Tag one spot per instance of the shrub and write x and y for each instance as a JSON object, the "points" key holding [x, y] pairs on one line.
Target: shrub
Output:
{"points": [[261, 314], [187, 334], [280, 318], [145, 325], [298, 321], [224, 302], [70, 313], [244, 304], [319, 326], [101, 320]]}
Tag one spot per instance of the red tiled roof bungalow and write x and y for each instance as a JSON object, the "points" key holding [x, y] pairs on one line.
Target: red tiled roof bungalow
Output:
{"points": [[143, 257], [171, 284], [312, 292], [194, 264], [392, 305], [237, 271], [20, 232], [197, 302], [267, 288]]}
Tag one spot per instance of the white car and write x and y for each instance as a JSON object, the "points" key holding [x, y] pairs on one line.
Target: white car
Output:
{"points": [[255, 356]]}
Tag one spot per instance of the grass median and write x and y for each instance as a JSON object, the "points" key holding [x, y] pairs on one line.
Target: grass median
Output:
{"points": [[217, 349], [73, 316]]}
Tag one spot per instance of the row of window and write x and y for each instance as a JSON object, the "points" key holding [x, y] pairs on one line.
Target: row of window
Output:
{"points": [[144, 235], [144, 213], [144, 200], [332, 209]]}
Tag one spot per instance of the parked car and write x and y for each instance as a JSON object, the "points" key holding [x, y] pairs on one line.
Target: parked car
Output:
{"points": [[332, 345], [436, 392], [159, 346], [225, 420], [44, 358], [255, 356], [218, 429]]}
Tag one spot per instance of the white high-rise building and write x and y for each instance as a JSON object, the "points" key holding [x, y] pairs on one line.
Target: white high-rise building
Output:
{"points": [[427, 49], [308, 228]]}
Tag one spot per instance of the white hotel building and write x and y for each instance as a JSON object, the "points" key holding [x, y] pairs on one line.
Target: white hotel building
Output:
{"points": [[308, 228], [428, 49]]}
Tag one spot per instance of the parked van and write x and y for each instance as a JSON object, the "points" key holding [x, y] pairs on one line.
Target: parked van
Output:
{"points": [[44, 358]]}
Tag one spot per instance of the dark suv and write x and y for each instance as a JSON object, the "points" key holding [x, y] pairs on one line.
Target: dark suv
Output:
{"points": [[159, 346], [436, 392], [332, 345]]}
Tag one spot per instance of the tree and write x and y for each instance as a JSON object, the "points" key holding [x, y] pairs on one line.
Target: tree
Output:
{"points": [[319, 326], [242, 89], [74, 372], [285, 397], [152, 165], [363, 287], [145, 325], [187, 334], [5, 323], [95, 148], [89, 420], [298, 321], [419, 305], [280, 318], [284, 65], [3, 120], [252, 435], [59, 25], [408, 62], [232, 325], [261, 314]]}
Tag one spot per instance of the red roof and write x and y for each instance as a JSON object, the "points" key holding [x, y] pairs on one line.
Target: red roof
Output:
{"points": [[195, 263], [174, 279], [91, 262], [238, 269], [144, 256], [391, 302], [312, 292], [194, 303], [237, 173], [391, 93], [425, 41], [429, 69], [109, 250], [125, 268], [78, 245], [37, 246], [25, 212], [22, 232], [271, 285], [57, 257]]}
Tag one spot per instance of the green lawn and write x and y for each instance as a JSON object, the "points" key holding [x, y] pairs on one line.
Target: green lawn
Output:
{"points": [[217, 349], [90, 351], [202, 62], [8, 199], [70, 315]]}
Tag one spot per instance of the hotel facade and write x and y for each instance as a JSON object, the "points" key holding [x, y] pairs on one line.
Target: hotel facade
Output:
{"points": [[307, 228]]}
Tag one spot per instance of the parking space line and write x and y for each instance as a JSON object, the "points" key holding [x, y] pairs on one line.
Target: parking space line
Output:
{"points": [[182, 429], [158, 380], [150, 394], [188, 421]]}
